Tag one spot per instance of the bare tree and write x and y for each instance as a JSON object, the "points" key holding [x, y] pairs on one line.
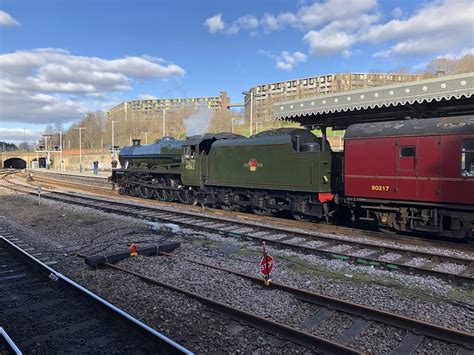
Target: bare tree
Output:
{"points": [[449, 66], [49, 129], [24, 146]]}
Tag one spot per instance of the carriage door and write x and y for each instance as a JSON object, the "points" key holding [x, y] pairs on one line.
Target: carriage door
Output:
{"points": [[405, 179], [428, 168]]}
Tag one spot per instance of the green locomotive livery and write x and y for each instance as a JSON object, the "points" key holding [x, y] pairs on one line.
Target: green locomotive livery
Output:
{"points": [[288, 170]]}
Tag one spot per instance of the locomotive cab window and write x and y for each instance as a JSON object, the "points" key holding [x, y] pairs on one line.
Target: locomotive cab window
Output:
{"points": [[467, 158], [189, 151], [406, 158]]}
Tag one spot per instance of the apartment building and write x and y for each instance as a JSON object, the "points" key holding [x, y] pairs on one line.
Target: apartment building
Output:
{"points": [[265, 95], [153, 108]]}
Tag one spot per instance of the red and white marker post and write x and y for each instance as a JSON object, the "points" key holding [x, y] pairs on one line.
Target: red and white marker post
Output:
{"points": [[266, 265], [133, 250]]}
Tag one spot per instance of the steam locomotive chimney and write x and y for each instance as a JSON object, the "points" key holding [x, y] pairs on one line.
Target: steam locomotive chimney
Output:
{"points": [[297, 139], [324, 135], [136, 142]]}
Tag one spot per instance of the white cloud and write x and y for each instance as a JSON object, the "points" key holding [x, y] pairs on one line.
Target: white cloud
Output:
{"points": [[321, 13], [329, 41], [6, 20], [146, 97], [416, 46], [306, 18], [285, 60], [449, 16], [457, 55], [336, 26], [45, 85], [397, 12], [214, 24], [436, 26], [243, 23], [269, 23], [20, 135]]}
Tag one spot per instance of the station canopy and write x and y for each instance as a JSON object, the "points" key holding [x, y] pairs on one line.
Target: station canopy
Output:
{"points": [[439, 97]]}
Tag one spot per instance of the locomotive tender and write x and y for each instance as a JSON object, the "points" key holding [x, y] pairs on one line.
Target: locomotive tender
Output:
{"points": [[411, 175]]}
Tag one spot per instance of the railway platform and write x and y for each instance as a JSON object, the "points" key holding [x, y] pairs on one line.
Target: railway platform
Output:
{"points": [[86, 177]]}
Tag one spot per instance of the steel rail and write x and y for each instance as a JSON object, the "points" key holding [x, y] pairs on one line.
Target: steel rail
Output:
{"points": [[134, 210], [9, 343], [376, 235], [289, 231], [310, 233], [390, 265], [155, 338], [428, 329], [279, 329]]}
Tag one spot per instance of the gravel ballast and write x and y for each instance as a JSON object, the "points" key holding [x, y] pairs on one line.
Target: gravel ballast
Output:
{"points": [[59, 232]]}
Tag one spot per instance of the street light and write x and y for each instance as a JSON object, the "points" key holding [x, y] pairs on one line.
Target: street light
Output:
{"points": [[113, 141], [146, 137], [80, 147], [246, 93]]}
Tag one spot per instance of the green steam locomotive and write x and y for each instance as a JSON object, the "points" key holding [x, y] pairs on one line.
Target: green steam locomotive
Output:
{"points": [[282, 170]]}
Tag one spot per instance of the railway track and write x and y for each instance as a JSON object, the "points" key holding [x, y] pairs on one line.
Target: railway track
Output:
{"points": [[7, 345], [456, 268], [42, 311], [286, 222], [415, 332], [318, 228]]}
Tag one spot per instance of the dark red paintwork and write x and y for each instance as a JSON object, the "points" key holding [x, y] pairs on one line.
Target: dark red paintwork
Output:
{"points": [[373, 168]]}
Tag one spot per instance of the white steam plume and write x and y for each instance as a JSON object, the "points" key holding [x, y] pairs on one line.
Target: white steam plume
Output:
{"points": [[198, 122]]}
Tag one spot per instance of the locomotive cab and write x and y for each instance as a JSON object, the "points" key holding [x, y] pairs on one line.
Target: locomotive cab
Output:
{"points": [[195, 157]]}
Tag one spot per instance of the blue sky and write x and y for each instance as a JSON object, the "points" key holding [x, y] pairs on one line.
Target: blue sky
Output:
{"points": [[59, 59]]}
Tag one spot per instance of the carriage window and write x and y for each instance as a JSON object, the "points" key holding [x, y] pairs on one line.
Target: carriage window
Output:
{"points": [[467, 158], [406, 158], [406, 152]]}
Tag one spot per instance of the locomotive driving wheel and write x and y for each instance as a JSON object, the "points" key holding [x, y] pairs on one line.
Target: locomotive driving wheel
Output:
{"points": [[170, 195], [159, 192], [145, 192], [186, 196]]}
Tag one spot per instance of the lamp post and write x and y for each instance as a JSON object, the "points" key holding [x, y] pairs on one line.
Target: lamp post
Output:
{"points": [[113, 141], [146, 137], [47, 151], [60, 151], [37, 153], [80, 147], [252, 95]]}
